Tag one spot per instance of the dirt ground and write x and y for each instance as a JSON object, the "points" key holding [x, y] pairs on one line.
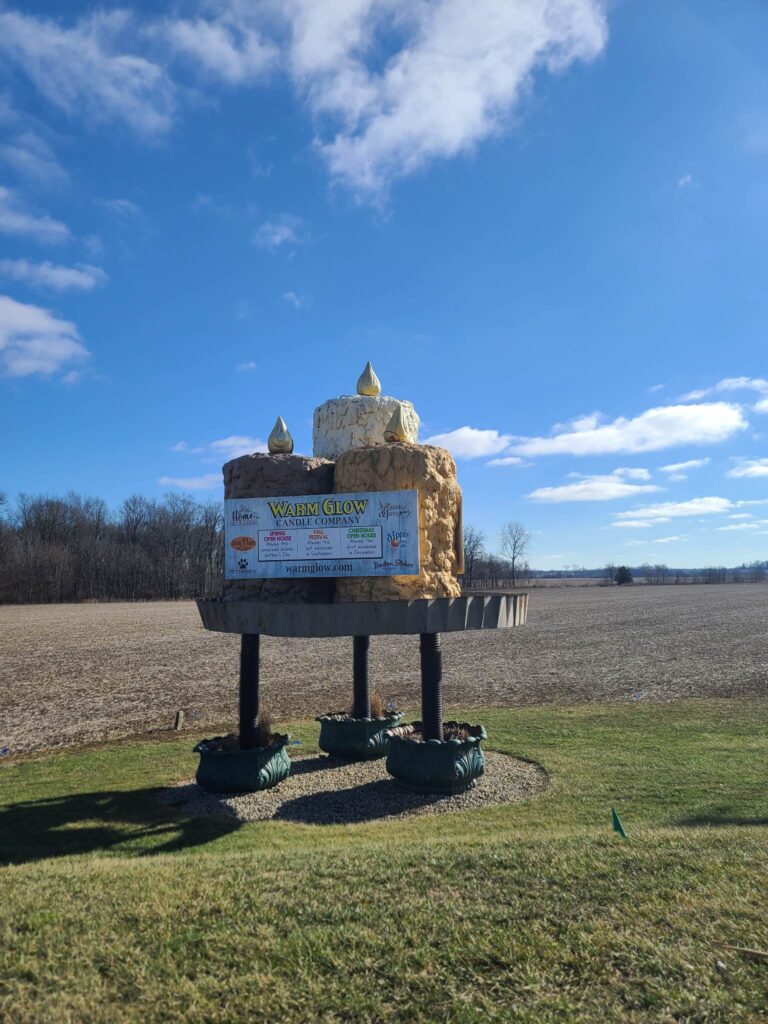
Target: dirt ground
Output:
{"points": [[72, 674]]}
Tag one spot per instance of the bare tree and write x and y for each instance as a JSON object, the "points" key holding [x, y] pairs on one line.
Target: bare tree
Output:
{"points": [[474, 541], [513, 541], [610, 572]]}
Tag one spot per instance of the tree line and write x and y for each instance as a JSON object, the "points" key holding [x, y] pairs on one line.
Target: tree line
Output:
{"points": [[74, 548]]}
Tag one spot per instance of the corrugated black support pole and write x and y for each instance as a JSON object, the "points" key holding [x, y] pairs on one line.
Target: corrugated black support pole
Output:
{"points": [[431, 686], [249, 689], [361, 686]]}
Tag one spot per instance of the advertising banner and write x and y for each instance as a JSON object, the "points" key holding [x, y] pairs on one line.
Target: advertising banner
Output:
{"points": [[372, 534]]}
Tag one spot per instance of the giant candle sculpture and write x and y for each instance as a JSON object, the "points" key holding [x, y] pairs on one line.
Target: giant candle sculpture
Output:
{"points": [[362, 538]]}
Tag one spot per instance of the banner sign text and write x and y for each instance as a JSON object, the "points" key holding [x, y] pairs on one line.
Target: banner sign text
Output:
{"points": [[372, 534]]}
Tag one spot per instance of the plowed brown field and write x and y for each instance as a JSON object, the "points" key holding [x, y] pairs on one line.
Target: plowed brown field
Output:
{"points": [[72, 674]]}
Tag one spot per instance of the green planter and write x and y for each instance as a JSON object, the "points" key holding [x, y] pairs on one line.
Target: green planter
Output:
{"points": [[242, 771], [356, 739], [437, 766]]}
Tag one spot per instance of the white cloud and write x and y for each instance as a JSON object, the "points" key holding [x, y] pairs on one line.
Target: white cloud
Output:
{"points": [[637, 473], [679, 470], [456, 73], [15, 219], [85, 70], [761, 406], [122, 207], [225, 447], [193, 483], [246, 367], [656, 387], [295, 300], [607, 487], [284, 229], [35, 342], [741, 515], [227, 48], [676, 509], [749, 468], [727, 385], [456, 79], [32, 159], [82, 277], [638, 524], [471, 443], [509, 460], [666, 540], [585, 422], [738, 526], [652, 430], [685, 181]]}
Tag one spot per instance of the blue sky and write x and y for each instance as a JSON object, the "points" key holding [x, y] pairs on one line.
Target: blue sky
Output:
{"points": [[544, 221]]}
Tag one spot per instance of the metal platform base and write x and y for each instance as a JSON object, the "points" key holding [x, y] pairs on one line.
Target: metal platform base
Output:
{"points": [[367, 618]]}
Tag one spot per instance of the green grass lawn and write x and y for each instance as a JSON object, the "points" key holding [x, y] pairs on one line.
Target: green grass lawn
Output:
{"points": [[115, 909]]}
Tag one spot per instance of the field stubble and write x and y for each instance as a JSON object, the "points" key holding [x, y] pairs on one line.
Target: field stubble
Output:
{"points": [[73, 674]]}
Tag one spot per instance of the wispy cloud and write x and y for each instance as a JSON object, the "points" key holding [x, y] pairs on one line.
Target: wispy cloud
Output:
{"points": [[680, 470], [91, 69], [653, 430], [81, 277], [283, 229], [247, 367], [224, 447], [738, 526], [685, 181], [32, 158], [604, 487], [16, 219], [508, 460], [230, 47], [677, 509], [207, 482], [122, 207], [470, 442], [34, 342], [638, 524], [727, 385], [297, 301], [749, 468]]}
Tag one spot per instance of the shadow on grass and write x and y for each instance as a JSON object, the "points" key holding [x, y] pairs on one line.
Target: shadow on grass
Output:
{"points": [[98, 822]]}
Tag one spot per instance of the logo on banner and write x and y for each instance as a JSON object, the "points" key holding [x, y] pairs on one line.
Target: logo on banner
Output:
{"points": [[388, 509], [242, 543], [394, 538], [243, 514]]}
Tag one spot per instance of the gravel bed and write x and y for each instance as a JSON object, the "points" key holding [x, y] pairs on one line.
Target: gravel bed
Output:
{"points": [[325, 791]]}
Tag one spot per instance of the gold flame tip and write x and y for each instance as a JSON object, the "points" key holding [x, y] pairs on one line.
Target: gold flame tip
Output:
{"points": [[368, 383], [396, 430], [280, 441]]}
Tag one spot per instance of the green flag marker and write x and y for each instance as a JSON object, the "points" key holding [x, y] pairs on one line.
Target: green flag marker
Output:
{"points": [[617, 826]]}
